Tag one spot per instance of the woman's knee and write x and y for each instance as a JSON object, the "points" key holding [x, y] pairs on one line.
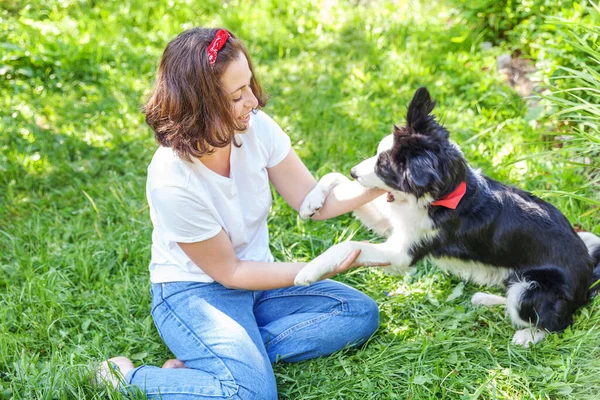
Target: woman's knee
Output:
{"points": [[268, 392], [359, 316], [366, 315], [247, 377]]}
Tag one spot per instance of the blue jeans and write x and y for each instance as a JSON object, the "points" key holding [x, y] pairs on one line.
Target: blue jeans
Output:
{"points": [[228, 338]]}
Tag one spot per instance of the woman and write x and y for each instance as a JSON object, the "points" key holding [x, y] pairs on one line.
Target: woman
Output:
{"points": [[221, 304]]}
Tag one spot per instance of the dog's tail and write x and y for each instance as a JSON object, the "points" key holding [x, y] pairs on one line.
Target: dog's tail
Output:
{"points": [[592, 243]]}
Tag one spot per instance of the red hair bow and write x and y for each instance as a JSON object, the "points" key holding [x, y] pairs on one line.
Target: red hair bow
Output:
{"points": [[216, 45]]}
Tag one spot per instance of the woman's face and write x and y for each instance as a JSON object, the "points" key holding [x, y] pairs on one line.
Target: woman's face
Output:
{"points": [[236, 80]]}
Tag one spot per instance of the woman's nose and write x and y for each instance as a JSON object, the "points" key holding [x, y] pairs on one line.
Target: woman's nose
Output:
{"points": [[252, 101]]}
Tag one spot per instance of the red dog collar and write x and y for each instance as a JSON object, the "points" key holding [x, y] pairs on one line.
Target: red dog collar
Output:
{"points": [[452, 199]]}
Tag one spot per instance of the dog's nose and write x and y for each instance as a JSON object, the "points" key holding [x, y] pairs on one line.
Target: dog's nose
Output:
{"points": [[353, 173]]}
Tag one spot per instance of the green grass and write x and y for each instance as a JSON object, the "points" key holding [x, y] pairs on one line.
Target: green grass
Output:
{"points": [[74, 225]]}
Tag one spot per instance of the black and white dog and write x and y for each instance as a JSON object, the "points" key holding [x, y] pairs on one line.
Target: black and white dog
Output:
{"points": [[468, 224]]}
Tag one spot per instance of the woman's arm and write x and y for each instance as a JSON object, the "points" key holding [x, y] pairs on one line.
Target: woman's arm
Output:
{"points": [[293, 181], [217, 259]]}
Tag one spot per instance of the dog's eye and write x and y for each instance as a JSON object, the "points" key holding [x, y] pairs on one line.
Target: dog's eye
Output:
{"points": [[383, 165], [383, 157]]}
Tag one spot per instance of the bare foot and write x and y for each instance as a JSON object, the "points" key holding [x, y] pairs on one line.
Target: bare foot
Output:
{"points": [[112, 371], [174, 363]]}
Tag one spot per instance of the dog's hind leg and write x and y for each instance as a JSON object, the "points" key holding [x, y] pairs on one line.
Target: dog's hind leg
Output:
{"points": [[543, 299], [523, 337], [527, 336], [531, 334], [592, 242], [487, 299]]}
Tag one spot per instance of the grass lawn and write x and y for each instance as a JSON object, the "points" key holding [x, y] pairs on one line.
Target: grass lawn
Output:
{"points": [[74, 226]]}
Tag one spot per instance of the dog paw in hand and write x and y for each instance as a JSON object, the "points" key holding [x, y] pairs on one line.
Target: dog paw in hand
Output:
{"points": [[314, 271], [305, 277]]}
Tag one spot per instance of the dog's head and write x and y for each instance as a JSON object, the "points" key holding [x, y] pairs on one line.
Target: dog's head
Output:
{"points": [[417, 159]]}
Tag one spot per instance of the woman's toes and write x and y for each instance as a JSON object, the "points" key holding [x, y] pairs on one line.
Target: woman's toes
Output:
{"points": [[112, 371], [174, 363]]}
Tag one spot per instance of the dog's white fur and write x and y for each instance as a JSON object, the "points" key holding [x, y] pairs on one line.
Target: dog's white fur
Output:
{"points": [[592, 242], [404, 222], [473, 271], [487, 299]]}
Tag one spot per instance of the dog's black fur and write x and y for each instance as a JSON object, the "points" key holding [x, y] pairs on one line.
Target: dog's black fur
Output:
{"points": [[494, 224]]}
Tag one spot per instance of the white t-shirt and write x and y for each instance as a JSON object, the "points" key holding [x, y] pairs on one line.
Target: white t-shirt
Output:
{"points": [[190, 203]]}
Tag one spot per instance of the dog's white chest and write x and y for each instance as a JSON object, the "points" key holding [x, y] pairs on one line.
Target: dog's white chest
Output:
{"points": [[410, 219]]}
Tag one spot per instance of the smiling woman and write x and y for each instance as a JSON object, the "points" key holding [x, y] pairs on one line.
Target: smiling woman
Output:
{"points": [[219, 301], [190, 107], [237, 81]]}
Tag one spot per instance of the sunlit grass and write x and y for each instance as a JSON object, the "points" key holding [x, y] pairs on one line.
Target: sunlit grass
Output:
{"points": [[74, 225]]}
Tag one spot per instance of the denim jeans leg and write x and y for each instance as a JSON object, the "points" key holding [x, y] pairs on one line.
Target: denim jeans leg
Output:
{"points": [[298, 323], [211, 329]]}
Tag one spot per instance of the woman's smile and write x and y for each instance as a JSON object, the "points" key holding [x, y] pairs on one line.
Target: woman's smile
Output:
{"points": [[245, 118]]}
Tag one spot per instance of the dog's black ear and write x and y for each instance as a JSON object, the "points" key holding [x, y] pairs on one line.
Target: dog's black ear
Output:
{"points": [[419, 109], [424, 174]]}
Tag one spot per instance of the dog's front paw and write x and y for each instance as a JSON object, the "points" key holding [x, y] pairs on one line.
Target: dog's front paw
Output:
{"points": [[313, 202], [311, 273], [322, 265], [525, 337]]}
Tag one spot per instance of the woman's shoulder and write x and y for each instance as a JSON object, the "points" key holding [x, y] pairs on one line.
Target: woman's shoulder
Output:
{"points": [[271, 141], [263, 127], [261, 121], [167, 168]]}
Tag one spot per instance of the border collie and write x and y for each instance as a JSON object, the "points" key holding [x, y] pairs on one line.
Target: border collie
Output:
{"points": [[472, 226]]}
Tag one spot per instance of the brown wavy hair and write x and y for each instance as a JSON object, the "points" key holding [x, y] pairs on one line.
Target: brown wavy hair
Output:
{"points": [[189, 109]]}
